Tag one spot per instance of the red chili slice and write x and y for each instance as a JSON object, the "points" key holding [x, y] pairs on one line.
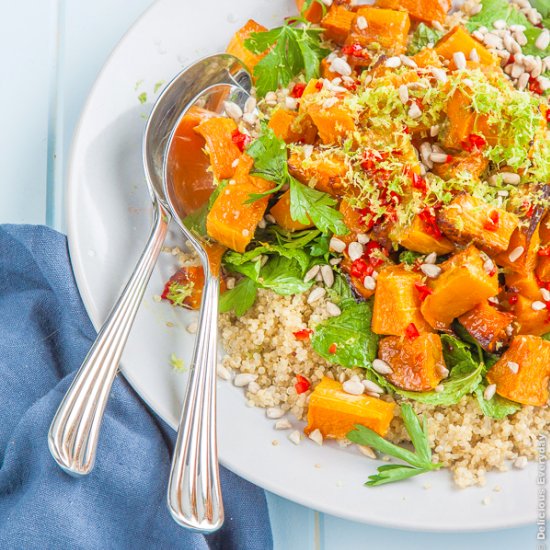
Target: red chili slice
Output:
{"points": [[332, 348], [240, 140], [298, 90], [302, 384], [303, 335], [492, 222], [429, 219], [423, 290], [418, 182], [513, 299], [474, 142], [412, 332]]}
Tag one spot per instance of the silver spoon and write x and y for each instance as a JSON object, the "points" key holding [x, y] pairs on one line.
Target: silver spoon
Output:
{"points": [[75, 429], [194, 493]]}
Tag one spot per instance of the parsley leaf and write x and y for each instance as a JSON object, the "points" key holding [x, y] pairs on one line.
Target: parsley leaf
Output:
{"points": [[350, 331], [293, 50], [239, 299], [419, 461], [306, 204], [422, 36], [409, 257]]}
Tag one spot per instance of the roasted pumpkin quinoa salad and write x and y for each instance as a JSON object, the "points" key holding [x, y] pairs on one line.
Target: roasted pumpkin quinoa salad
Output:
{"points": [[380, 215]]}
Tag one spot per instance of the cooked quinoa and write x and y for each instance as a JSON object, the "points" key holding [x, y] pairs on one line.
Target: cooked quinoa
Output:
{"points": [[261, 342]]}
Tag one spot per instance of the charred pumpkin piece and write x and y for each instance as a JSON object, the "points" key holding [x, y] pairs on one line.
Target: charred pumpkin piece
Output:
{"points": [[487, 325], [326, 170], [524, 242], [334, 412], [420, 10], [355, 282], [417, 237], [337, 23], [237, 48], [353, 218], [314, 13], [217, 132], [290, 127], [281, 212], [417, 364], [460, 40], [528, 320], [333, 123], [231, 220], [462, 120], [473, 164], [396, 302], [462, 285], [427, 57], [524, 283], [469, 219], [386, 27], [543, 266], [530, 357]]}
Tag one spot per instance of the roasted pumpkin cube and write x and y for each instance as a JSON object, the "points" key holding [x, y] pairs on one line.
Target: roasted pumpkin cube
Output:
{"points": [[460, 40], [462, 285], [334, 412], [217, 132], [488, 326], [421, 10], [281, 212], [291, 127], [417, 237], [333, 123], [337, 23], [524, 283], [313, 13], [326, 170], [469, 219], [521, 241], [523, 371], [426, 58], [396, 302], [353, 218], [389, 28], [529, 320], [467, 164], [237, 48], [231, 220], [417, 364]]}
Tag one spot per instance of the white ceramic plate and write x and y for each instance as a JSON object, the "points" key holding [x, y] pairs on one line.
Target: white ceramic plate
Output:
{"points": [[108, 219]]}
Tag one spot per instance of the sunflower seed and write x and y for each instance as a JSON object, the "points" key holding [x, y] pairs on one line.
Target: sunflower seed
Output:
{"points": [[355, 250], [499, 24], [434, 130], [513, 366], [328, 275], [271, 98], [408, 62], [516, 253], [543, 40], [439, 74], [443, 371], [250, 104], [295, 437], [274, 412], [369, 283], [414, 111], [523, 80], [337, 245], [223, 372], [488, 265], [192, 327], [372, 386], [439, 388], [283, 424], [243, 379], [538, 305], [363, 238], [473, 56], [367, 451], [403, 92], [545, 294], [233, 110], [316, 294], [430, 270], [291, 103], [353, 387], [460, 60], [381, 367], [489, 392], [393, 62], [333, 310], [431, 258], [438, 158], [312, 273], [493, 41], [316, 436], [340, 66], [361, 23]]}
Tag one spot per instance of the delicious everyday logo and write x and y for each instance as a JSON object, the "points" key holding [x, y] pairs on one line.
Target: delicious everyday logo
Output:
{"points": [[541, 492]]}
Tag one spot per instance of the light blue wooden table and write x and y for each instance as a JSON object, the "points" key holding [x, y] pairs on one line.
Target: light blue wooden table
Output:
{"points": [[51, 52]]}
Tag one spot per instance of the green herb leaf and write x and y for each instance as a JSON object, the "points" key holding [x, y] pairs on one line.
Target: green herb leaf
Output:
{"points": [[340, 291], [293, 50], [178, 293], [239, 299], [497, 407], [422, 36], [309, 204], [409, 257], [196, 221], [420, 461], [546, 336], [356, 344], [301, 256]]}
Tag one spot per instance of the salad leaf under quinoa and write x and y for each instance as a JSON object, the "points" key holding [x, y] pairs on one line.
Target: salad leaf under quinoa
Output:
{"points": [[497, 407], [239, 299], [422, 36]]}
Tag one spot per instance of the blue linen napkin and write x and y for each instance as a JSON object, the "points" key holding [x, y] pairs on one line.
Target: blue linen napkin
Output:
{"points": [[44, 336]]}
